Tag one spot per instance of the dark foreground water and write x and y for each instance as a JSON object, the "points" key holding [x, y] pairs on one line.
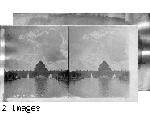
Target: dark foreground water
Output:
{"points": [[48, 88], [35, 87]]}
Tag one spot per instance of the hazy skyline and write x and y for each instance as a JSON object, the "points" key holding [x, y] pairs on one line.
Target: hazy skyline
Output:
{"points": [[27, 45], [89, 46]]}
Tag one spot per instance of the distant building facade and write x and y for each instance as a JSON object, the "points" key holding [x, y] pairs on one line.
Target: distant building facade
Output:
{"points": [[103, 69], [39, 69]]}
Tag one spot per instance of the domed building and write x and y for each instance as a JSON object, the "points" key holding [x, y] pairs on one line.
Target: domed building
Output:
{"points": [[104, 66], [40, 69], [104, 69]]}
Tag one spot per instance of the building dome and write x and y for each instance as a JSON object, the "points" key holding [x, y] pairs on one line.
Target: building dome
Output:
{"points": [[104, 66], [40, 68]]}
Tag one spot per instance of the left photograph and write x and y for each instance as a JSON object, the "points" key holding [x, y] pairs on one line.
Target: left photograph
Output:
{"points": [[35, 58]]}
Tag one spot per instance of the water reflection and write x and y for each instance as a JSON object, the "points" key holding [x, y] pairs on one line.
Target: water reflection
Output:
{"points": [[99, 88], [41, 86], [104, 87], [48, 88], [35, 87], [66, 83]]}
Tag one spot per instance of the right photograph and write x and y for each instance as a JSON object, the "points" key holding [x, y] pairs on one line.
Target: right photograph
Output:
{"points": [[102, 61]]}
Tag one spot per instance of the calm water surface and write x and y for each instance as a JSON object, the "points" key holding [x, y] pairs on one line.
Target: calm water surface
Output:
{"points": [[35, 87], [48, 88], [99, 88]]}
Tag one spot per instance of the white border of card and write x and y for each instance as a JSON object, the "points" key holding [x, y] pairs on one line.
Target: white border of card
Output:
{"points": [[133, 83]]}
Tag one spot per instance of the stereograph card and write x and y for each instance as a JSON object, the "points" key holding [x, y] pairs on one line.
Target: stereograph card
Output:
{"points": [[71, 63]]}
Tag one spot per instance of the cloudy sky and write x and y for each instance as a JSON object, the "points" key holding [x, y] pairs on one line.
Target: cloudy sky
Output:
{"points": [[89, 46], [27, 45]]}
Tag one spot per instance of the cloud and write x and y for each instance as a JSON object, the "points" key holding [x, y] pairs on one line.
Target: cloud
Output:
{"points": [[94, 46], [114, 43], [53, 46], [49, 45]]}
